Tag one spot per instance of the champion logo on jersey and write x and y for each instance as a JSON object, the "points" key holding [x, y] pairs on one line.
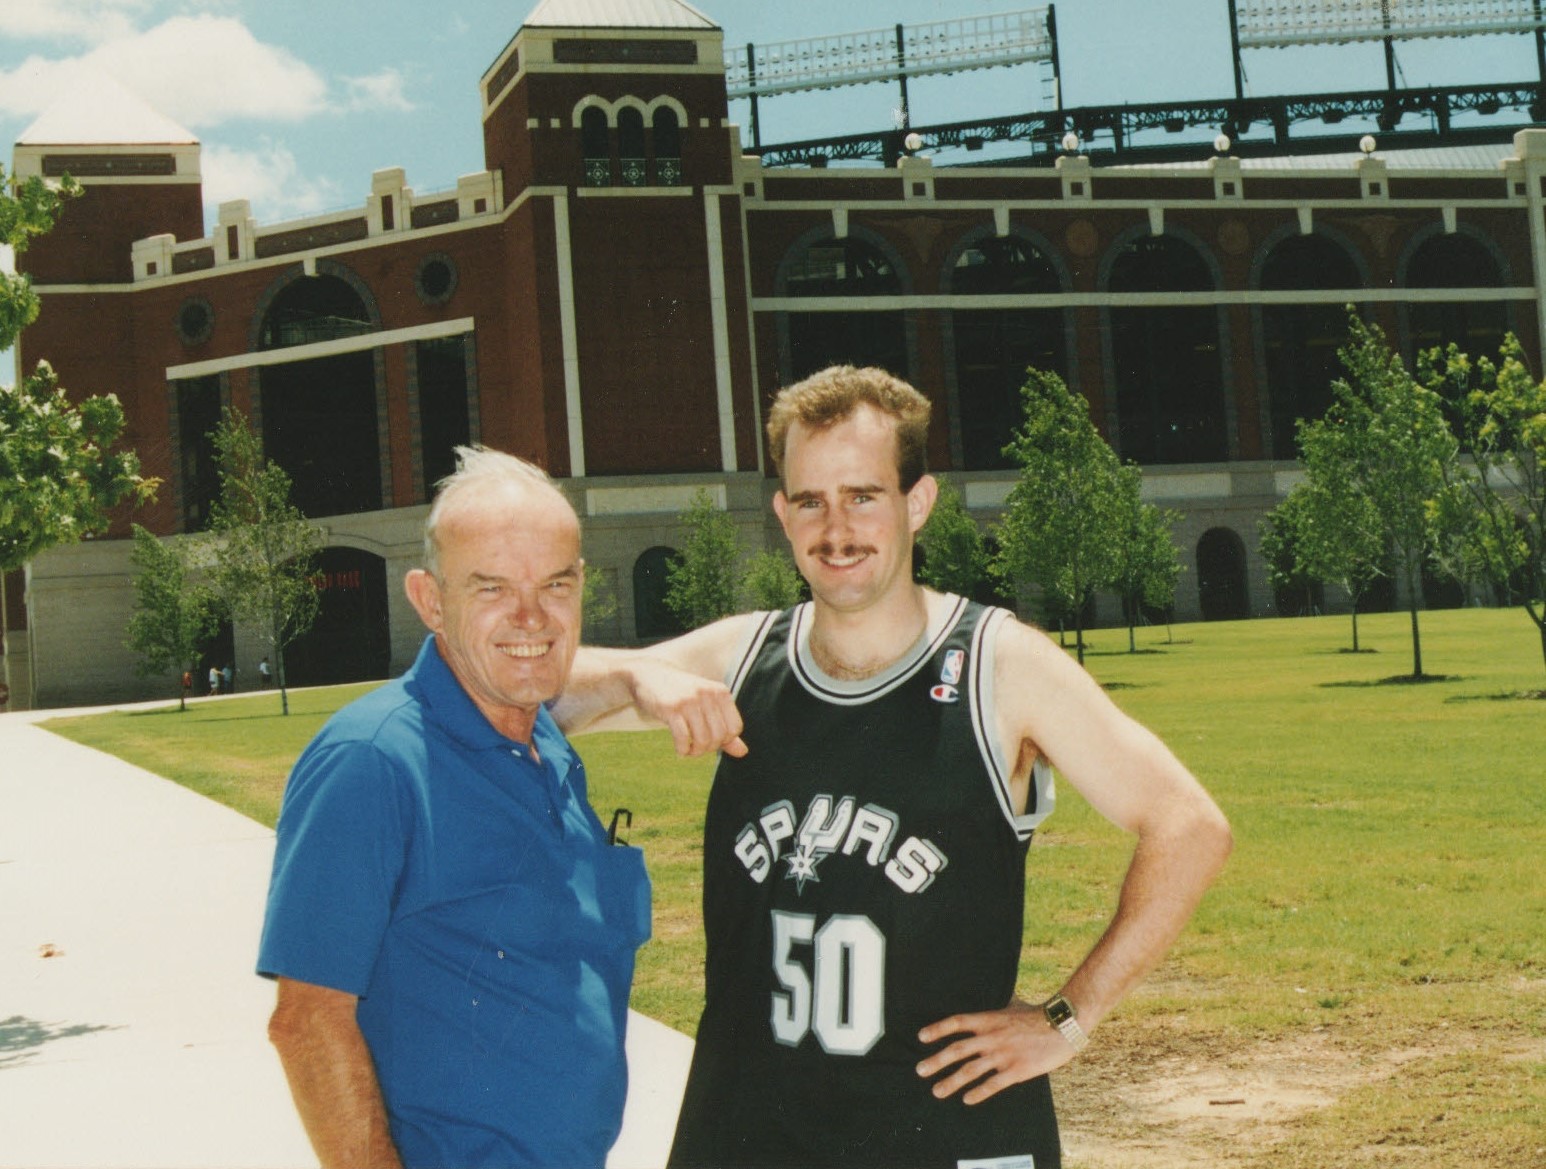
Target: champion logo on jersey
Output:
{"points": [[950, 672], [944, 693]]}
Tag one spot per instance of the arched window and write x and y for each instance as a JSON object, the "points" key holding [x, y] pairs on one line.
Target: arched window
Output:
{"points": [[840, 267], [312, 309], [630, 147], [652, 617], [1168, 371], [668, 147], [1301, 340], [319, 415], [994, 347], [847, 267], [1221, 586], [1456, 260], [445, 420], [198, 402], [596, 147]]}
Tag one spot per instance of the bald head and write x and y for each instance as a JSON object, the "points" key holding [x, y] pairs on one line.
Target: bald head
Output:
{"points": [[482, 478]]}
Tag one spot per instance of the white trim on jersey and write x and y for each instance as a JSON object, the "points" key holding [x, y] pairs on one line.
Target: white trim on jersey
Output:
{"points": [[984, 710], [855, 693], [746, 653]]}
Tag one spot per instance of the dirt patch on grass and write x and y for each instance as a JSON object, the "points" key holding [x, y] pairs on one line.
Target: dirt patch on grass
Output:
{"points": [[1159, 1102]]}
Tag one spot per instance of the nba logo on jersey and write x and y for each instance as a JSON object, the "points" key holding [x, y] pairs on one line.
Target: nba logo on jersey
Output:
{"points": [[950, 672]]}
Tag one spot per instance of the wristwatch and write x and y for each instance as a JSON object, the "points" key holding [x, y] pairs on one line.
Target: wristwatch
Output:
{"points": [[1060, 1013]]}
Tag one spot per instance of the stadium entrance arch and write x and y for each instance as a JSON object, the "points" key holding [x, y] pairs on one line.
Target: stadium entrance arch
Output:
{"points": [[1221, 584], [350, 640], [320, 414]]}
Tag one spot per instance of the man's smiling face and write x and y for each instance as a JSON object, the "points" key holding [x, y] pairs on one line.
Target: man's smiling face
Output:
{"points": [[850, 524], [505, 607]]}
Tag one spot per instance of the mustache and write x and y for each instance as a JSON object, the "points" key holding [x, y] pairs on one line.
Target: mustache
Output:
{"points": [[828, 549]]}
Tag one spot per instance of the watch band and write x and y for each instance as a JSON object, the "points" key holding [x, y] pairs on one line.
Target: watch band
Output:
{"points": [[1060, 1013]]}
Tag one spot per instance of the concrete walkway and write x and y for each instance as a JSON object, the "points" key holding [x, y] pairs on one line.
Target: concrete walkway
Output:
{"points": [[132, 1029]]}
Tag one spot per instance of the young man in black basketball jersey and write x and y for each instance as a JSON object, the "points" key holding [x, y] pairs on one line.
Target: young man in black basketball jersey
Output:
{"points": [[886, 758]]}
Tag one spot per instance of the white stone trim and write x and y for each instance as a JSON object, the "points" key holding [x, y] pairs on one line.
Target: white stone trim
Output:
{"points": [[663, 498], [292, 353], [564, 271], [1226, 296], [719, 323]]}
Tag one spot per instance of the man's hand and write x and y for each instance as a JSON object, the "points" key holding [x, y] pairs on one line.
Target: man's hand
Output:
{"points": [[699, 712], [995, 1050], [332, 1076]]}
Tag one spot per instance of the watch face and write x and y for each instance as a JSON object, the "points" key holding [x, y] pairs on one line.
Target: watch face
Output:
{"points": [[1058, 1011]]}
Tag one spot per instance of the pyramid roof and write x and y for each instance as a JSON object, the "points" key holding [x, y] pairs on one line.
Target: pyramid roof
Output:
{"points": [[653, 14], [98, 110]]}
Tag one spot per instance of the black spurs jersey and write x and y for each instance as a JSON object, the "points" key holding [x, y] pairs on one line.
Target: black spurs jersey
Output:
{"points": [[864, 875]]}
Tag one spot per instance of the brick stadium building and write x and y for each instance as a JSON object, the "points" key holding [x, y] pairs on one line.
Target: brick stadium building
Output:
{"points": [[618, 291]]}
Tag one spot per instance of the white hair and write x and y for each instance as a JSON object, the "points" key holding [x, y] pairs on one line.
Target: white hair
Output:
{"points": [[484, 470]]}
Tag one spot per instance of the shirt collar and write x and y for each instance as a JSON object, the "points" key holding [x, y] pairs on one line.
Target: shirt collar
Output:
{"points": [[450, 706]]}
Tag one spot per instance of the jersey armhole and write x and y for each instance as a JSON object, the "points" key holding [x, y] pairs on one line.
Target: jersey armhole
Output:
{"points": [[1042, 797], [747, 649]]}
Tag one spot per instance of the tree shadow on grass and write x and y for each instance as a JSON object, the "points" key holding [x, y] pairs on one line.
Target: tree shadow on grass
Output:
{"points": [[276, 713], [1121, 686], [1393, 680], [22, 1038], [1505, 696]]}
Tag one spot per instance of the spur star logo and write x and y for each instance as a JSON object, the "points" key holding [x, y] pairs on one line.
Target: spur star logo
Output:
{"points": [[802, 864], [835, 827]]}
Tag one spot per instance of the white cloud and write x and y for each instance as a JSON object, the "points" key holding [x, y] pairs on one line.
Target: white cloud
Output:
{"points": [[198, 70], [378, 91], [269, 178], [91, 21]]}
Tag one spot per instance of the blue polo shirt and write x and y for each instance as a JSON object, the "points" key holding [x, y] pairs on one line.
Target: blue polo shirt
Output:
{"points": [[463, 888]]}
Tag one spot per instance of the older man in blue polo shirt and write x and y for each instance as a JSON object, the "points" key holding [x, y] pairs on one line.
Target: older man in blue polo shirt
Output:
{"points": [[452, 933]]}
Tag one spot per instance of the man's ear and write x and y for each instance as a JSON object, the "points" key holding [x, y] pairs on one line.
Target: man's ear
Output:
{"points": [[920, 502], [781, 509], [424, 595]]}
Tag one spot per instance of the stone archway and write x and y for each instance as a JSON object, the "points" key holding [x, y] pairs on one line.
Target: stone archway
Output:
{"points": [[652, 617], [1221, 583], [351, 640]]}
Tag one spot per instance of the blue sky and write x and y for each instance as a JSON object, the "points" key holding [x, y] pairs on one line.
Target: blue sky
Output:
{"points": [[297, 103]]}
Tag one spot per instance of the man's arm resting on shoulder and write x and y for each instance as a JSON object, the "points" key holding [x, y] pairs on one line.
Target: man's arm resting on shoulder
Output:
{"points": [[1132, 779], [677, 684], [332, 1076]]}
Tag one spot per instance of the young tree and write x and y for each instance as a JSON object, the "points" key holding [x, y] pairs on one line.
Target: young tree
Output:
{"points": [[770, 580], [265, 552], [700, 583], [172, 616], [1281, 534], [1063, 524], [955, 558], [1495, 510], [1385, 439], [27, 208], [1333, 534], [598, 599], [59, 477], [1148, 562]]}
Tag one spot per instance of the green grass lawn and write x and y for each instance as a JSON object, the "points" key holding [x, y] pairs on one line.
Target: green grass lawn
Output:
{"points": [[1384, 912]]}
